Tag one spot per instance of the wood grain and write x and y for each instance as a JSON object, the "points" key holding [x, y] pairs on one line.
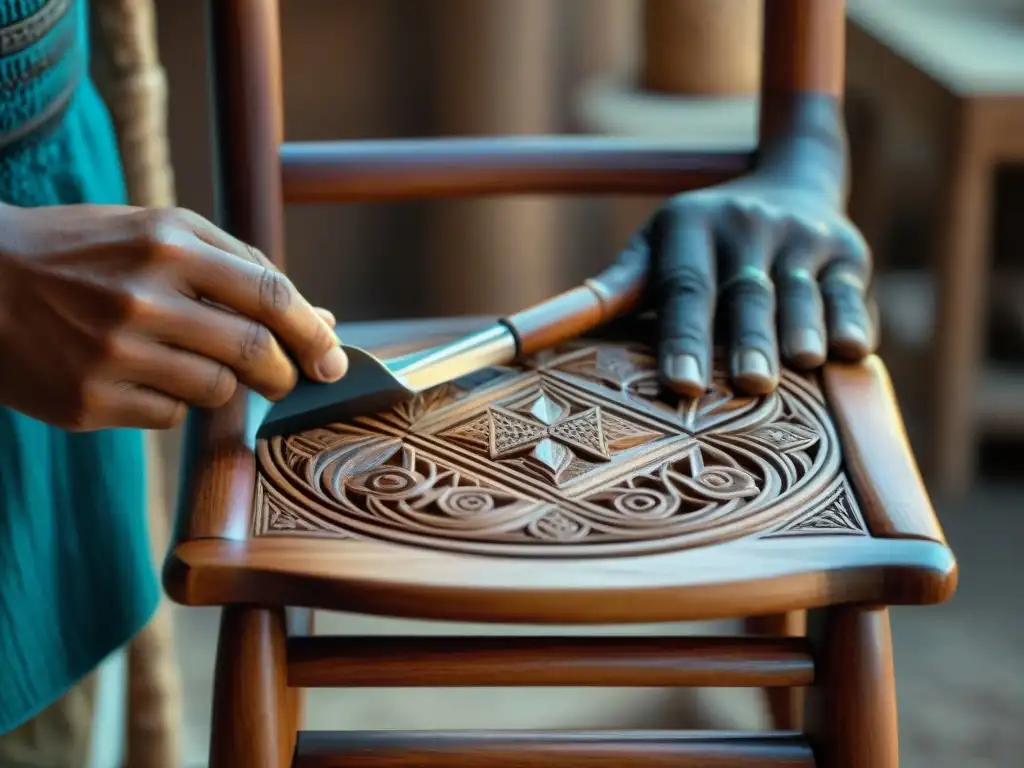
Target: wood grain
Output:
{"points": [[250, 691], [877, 452], [376, 662], [851, 714], [804, 48], [740, 578], [406, 169], [561, 750]]}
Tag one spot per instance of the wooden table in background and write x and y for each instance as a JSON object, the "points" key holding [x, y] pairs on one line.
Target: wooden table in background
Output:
{"points": [[956, 72]]}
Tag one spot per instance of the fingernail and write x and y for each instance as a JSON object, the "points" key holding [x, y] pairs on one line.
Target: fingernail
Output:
{"points": [[754, 372], [852, 333], [806, 347], [327, 316], [333, 365], [683, 374]]}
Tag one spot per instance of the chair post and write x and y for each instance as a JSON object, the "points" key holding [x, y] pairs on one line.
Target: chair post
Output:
{"points": [[253, 722], [851, 713], [785, 705], [248, 111]]}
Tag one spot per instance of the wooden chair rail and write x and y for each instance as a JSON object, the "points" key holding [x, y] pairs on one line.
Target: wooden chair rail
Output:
{"points": [[640, 749], [376, 171], [407, 662]]}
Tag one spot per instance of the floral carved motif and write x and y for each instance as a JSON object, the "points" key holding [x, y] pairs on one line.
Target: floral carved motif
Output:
{"points": [[575, 453]]}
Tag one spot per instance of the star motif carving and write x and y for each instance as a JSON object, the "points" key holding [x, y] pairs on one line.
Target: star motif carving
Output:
{"points": [[541, 428], [544, 429]]}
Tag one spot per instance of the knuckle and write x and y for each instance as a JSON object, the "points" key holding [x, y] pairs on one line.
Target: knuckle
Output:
{"points": [[275, 291], [685, 280], [255, 254], [754, 294], [134, 308], [160, 225], [321, 341], [220, 387], [169, 416], [849, 241], [757, 337], [256, 342], [82, 406], [685, 337]]}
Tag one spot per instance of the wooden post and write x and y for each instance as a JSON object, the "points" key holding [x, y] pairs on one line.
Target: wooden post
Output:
{"points": [[696, 81], [701, 47], [496, 74]]}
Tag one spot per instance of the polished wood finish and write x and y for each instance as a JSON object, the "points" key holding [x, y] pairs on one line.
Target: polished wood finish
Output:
{"points": [[250, 691], [566, 489], [878, 454], [407, 169], [785, 704], [249, 120], [722, 57], [804, 48], [578, 311], [377, 662], [556, 750], [852, 707]]}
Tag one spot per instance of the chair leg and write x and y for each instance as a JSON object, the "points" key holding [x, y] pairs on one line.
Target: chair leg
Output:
{"points": [[785, 705], [301, 623], [851, 713], [251, 723]]}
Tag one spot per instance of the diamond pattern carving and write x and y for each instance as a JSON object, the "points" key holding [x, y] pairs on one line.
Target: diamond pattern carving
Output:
{"points": [[575, 453]]}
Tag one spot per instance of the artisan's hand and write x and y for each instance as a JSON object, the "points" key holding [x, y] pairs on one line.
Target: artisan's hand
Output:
{"points": [[768, 252], [118, 316]]}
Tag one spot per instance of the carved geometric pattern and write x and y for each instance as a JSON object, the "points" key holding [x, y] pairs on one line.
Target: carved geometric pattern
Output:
{"points": [[574, 453], [835, 514]]}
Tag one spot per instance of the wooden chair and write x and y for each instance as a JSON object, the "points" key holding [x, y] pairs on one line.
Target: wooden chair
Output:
{"points": [[562, 491]]}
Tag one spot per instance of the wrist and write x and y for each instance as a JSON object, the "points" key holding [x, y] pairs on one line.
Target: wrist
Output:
{"points": [[803, 138]]}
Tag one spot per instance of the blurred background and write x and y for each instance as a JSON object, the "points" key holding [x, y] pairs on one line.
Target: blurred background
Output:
{"points": [[936, 119]]}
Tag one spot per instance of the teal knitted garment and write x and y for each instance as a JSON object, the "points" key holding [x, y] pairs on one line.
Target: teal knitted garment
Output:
{"points": [[76, 580]]}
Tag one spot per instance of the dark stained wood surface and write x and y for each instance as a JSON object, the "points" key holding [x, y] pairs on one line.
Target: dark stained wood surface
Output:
{"points": [[375, 662], [377, 171], [555, 750]]}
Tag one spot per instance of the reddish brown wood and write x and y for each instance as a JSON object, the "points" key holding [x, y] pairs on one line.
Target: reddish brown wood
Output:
{"points": [[562, 750], [852, 707], [589, 498], [785, 704], [804, 47], [249, 117], [301, 624], [375, 662], [250, 691], [377, 171], [878, 455]]}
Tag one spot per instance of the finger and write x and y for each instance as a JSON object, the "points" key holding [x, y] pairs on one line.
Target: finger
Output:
{"points": [[262, 293], [801, 317], [327, 316], [749, 297], [245, 345], [684, 275], [177, 373], [850, 332], [139, 407]]}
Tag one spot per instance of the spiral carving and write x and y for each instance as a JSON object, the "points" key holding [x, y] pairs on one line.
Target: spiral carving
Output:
{"points": [[573, 454]]}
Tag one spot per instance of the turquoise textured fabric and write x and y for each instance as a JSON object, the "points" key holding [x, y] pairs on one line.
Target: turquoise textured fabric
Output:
{"points": [[76, 579]]}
